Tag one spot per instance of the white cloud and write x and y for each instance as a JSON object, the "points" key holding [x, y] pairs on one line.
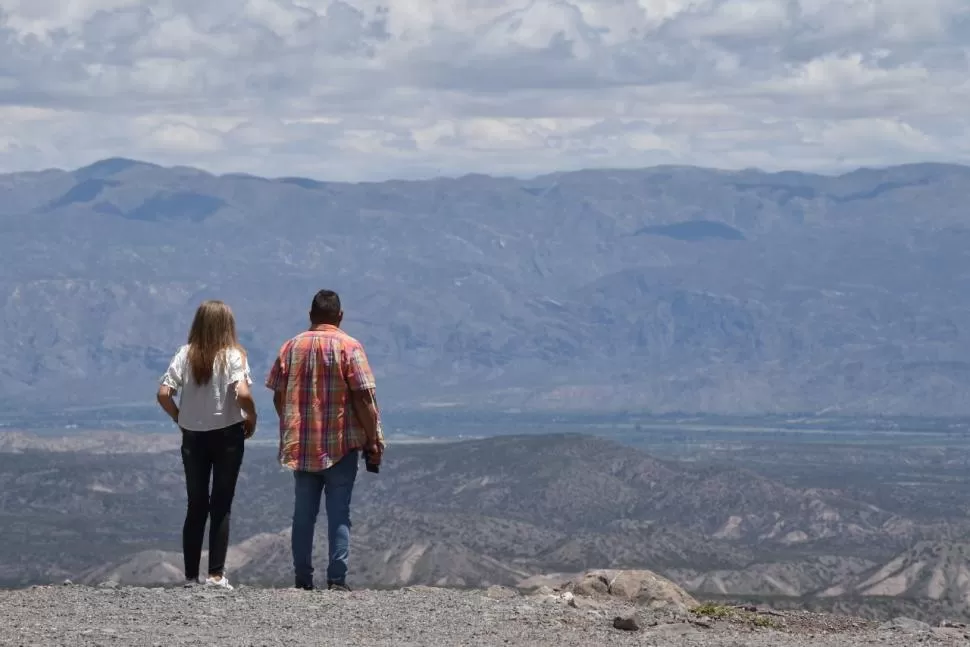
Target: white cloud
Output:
{"points": [[364, 89]]}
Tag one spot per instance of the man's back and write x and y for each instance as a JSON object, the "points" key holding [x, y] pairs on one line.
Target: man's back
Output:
{"points": [[315, 375], [323, 392]]}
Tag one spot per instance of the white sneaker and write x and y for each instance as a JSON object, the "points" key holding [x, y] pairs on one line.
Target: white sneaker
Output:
{"points": [[222, 582]]}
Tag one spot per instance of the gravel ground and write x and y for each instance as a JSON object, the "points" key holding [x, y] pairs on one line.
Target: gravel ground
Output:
{"points": [[77, 615]]}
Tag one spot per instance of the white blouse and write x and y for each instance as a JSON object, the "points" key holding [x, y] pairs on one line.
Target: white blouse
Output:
{"points": [[214, 405]]}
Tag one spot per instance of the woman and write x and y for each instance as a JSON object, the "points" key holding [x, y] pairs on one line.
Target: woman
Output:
{"points": [[216, 413]]}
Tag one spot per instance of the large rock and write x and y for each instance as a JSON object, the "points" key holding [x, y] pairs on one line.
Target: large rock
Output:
{"points": [[644, 588]]}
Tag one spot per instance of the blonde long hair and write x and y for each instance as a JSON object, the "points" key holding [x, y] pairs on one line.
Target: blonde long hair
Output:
{"points": [[213, 332]]}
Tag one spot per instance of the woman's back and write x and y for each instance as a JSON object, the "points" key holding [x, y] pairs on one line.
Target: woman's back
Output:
{"points": [[216, 413], [204, 407]]}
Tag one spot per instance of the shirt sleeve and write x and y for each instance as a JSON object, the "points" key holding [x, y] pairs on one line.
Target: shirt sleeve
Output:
{"points": [[172, 378], [238, 367], [357, 370], [278, 374]]}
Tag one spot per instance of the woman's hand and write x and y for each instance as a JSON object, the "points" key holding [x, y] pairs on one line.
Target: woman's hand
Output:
{"points": [[249, 427]]}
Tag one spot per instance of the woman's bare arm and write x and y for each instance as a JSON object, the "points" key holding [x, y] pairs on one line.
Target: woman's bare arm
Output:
{"points": [[244, 396], [166, 399]]}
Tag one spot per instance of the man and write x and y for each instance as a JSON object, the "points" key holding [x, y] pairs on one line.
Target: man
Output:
{"points": [[323, 391]]}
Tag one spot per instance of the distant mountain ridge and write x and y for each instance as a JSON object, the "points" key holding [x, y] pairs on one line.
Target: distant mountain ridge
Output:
{"points": [[666, 289]]}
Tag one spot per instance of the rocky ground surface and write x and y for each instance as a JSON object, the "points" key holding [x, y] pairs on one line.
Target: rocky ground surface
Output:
{"points": [[80, 615]]}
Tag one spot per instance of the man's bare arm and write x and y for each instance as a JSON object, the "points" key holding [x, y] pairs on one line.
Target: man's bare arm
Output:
{"points": [[365, 406]]}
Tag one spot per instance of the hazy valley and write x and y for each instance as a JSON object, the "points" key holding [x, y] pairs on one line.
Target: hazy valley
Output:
{"points": [[504, 509]]}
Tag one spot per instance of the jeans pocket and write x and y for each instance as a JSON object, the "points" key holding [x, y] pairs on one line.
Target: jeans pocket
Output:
{"points": [[235, 439], [188, 444]]}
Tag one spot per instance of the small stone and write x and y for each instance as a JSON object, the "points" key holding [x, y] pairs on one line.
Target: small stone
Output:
{"points": [[905, 625], [629, 622], [421, 589], [586, 605], [501, 593], [68, 583], [673, 629], [702, 622]]}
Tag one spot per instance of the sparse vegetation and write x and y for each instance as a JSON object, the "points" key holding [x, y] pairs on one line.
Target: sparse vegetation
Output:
{"points": [[735, 615], [711, 610], [765, 622]]}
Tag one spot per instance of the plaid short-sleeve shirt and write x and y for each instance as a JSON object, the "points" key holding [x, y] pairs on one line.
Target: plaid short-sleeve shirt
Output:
{"points": [[315, 372]]}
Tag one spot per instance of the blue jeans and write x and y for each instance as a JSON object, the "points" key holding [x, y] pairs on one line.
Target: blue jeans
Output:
{"points": [[337, 486]]}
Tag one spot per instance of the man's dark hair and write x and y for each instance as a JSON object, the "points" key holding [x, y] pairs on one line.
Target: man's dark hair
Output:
{"points": [[325, 308]]}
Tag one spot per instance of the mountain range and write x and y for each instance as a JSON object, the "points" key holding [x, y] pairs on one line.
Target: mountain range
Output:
{"points": [[661, 289]]}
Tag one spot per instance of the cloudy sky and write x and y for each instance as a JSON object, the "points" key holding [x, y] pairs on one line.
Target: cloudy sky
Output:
{"points": [[362, 89]]}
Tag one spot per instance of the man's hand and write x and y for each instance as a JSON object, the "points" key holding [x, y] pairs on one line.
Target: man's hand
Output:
{"points": [[375, 451], [249, 427]]}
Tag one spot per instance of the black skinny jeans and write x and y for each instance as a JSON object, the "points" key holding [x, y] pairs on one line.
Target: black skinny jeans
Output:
{"points": [[217, 454]]}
